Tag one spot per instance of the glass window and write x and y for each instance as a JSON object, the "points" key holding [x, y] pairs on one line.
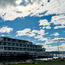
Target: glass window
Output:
{"points": [[24, 45], [27, 45], [5, 39], [20, 49], [9, 48], [19, 40], [13, 48], [20, 44], [16, 44], [9, 43], [13, 40], [9, 39], [6, 48], [13, 44], [16, 48], [1, 47], [4, 43], [0, 43]]}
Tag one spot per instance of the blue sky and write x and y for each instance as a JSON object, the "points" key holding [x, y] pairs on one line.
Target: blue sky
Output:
{"points": [[40, 23]]}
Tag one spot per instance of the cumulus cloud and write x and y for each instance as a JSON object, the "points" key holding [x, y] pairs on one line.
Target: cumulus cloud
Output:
{"points": [[29, 32], [45, 24], [4, 3], [58, 20], [58, 27], [49, 44], [41, 38], [25, 32], [55, 34], [4, 35], [62, 47], [6, 29], [55, 48], [51, 48], [54, 40], [30, 7], [58, 39], [38, 34]]}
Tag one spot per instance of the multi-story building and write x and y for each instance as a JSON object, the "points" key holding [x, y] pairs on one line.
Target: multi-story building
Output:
{"points": [[10, 46]]}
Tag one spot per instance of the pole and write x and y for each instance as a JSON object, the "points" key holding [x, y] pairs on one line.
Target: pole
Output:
{"points": [[58, 49]]}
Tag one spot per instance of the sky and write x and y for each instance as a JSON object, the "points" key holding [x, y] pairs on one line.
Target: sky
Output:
{"points": [[39, 21]]}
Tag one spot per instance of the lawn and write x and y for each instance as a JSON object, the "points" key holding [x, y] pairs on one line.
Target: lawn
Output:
{"points": [[46, 63]]}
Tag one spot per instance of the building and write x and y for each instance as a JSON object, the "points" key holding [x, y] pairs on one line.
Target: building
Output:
{"points": [[15, 47]]}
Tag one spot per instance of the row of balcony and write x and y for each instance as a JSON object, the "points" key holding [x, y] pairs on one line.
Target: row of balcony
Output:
{"points": [[22, 49], [19, 45]]}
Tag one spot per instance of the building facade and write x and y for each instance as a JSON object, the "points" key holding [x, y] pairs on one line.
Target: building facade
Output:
{"points": [[10, 46]]}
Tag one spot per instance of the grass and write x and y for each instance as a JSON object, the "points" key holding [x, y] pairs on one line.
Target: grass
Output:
{"points": [[46, 63]]}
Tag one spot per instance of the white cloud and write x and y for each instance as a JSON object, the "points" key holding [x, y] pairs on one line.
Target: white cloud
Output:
{"points": [[62, 47], [55, 48], [38, 34], [58, 39], [30, 7], [41, 38], [25, 32], [58, 20], [6, 29], [51, 48], [45, 24], [57, 27], [49, 44], [5, 3], [30, 32], [48, 27], [3, 35], [55, 34], [54, 40]]}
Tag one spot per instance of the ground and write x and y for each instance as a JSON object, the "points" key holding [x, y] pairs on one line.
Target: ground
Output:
{"points": [[46, 63]]}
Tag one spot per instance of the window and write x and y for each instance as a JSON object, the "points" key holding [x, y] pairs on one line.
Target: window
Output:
{"points": [[1, 47], [9, 48], [9, 44], [9, 39], [20, 44], [5, 39], [17, 48], [27, 45], [13, 40], [13, 44], [24, 45], [20, 49], [16, 44], [6, 48], [19, 40], [0, 43], [13, 48], [4, 43]]}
